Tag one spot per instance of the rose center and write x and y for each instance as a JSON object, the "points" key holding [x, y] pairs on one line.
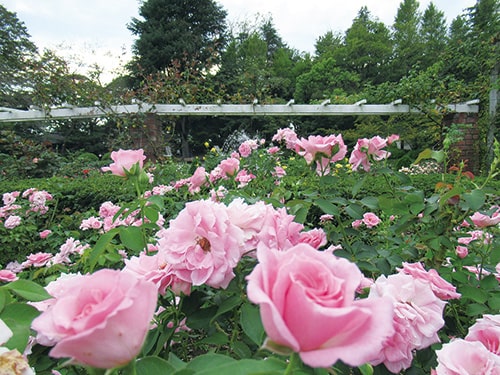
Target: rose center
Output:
{"points": [[204, 244]]}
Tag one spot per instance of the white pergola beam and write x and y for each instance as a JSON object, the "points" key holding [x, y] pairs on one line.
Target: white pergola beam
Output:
{"points": [[254, 109]]}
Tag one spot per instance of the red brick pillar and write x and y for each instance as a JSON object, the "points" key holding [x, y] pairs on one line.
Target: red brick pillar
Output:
{"points": [[149, 137], [468, 146]]}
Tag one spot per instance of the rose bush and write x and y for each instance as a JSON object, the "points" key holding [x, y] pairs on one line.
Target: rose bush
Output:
{"points": [[231, 263]]}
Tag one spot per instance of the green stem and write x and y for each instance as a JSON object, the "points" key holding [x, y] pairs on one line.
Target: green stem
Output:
{"points": [[292, 364]]}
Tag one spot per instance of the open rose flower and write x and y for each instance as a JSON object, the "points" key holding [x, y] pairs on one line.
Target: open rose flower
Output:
{"points": [[202, 245], [307, 305], [460, 357], [487, 331], [124, 160], [323, 150], [101, 321]]}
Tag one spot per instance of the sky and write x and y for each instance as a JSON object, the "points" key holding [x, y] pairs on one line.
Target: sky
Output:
{"points": [[95, 31]]}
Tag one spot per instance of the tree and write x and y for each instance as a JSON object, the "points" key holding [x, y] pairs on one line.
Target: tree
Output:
{"points": [[433, 33], [367, 48], [16, 50], [177, 30], [327, 44], [408, 47]]}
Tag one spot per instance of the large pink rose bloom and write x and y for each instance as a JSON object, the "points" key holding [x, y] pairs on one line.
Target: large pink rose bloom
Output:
{"points": [[307, 304], [460, 357], [279, 230], [202, 245], [101, 321], [487, 331], [418, 316], [367, 149], [124, 160], [481, 220]]}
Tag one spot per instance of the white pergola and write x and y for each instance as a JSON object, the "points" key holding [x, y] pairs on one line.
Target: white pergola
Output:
{"points": [[255, 109]]}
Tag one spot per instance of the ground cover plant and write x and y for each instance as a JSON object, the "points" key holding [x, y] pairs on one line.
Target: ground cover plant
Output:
{"points": [[281, 257]]}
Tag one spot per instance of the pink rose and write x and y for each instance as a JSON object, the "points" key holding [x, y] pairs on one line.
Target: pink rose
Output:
{"points": [[229, 166], [392, 138], [202, 245], [245, 150], [124, 160], [7, 275], [37, 260], [460, 357], [366, 150], [244, 177], [356, 223], [418, 316], [288, 135], [441, 288], [12, 221], [487, 331], [273, 150], [323, 150], [45, 233], [370, 219], [307, 304], [279, 230], [462, 251], [315, 237], [481, 221], [197, 180], [101, 321]]}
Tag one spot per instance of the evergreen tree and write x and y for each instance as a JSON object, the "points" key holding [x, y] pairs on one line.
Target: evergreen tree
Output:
{"points": [[187, 32], [434, 36], [408, 47], [16, 51]]}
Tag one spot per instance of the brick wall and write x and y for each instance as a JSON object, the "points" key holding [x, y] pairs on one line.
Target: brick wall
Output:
{"points": [[468, 148]]}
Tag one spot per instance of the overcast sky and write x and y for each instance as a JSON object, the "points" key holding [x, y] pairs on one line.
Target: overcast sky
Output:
{"points": [[95, 31]]}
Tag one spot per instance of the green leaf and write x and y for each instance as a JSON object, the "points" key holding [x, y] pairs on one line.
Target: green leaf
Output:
{"points": [[99, 248], [3, 298], [430, 154], [476, 309], [474, 294], [370, 202], [209, 361], [157, 200], [153, 365], [357, 186], [218, 338], [474, 200], [251, 323], [270, 366], [228, 304], [18, 317], [28, 290], [132, 238], [366, 369], [327, 207], [151, 213]]}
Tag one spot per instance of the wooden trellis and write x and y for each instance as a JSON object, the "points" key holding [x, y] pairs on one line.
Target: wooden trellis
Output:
{"points": [[254, 109]]}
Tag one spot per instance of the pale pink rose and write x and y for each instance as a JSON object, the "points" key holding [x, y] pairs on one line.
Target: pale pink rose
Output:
{"points": [[8, 276], [12, 221], [487, 331], [197, 180], [370, 219], [418, 316], [279, 230], [481, 220], [326, 217], [202, 245], [180, 183], [250, 219], [367, 149], [460, 357], [279, 172], [91, 223], [37, 260], [441, 288], [244, 177], [392, 138], [45, 233], [307, 304], [288, 135], [219, 194], [245, 150], [356, 223], [101, 321], [315, 237], [229, 166], [151, 268], [216, 174], [462, 251], [9, 198], [124, 160], [273, 150], [108, 209], [162, 189], [323, 150]]}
